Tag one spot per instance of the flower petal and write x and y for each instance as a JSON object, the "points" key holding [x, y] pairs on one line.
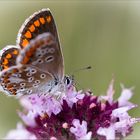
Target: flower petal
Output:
{"points": [[126, 95], [109, 132], [19, 133]]}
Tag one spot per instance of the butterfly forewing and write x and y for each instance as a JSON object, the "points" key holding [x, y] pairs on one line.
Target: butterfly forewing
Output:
{"points": [[38, 23]]}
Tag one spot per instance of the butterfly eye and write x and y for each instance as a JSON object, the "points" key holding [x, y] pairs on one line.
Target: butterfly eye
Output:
{"points": [[68, 81]]}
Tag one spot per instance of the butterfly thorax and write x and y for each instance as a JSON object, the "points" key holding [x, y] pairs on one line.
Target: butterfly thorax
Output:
{"points": [[60, 88]]}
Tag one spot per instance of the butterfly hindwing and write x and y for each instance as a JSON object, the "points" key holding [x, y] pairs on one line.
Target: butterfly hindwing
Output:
{"points": [[20, 80], [8, 57]]}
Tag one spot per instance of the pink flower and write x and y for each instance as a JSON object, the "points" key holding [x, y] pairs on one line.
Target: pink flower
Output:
{"points": [[20, 133], [122, 126], [80, 130], [110, 92], [109, 132], [73, 96], [125, 96], [52, 106], [53, 138], [41, 104], [121, 112], [76, 116], [125, 121], [29, 118]]}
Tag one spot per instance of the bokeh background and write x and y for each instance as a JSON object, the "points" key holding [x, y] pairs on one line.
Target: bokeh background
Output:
{"points": [[105, 35]]}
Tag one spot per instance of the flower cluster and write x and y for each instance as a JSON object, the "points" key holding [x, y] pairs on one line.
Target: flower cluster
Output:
{"points": [[78, 115]]}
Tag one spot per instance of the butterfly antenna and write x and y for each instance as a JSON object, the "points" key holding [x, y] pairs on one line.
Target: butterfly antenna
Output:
{"points": [[81, 69], [77, 70]]}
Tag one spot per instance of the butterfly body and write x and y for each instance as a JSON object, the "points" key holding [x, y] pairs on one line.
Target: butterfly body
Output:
{"points": [[35, 64]]}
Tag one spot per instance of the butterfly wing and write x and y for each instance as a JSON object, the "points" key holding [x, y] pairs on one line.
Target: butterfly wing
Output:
{"points": [[38, 23], [44, 54], [37, 67], [19, 80], [8, 57], [40, 62]]}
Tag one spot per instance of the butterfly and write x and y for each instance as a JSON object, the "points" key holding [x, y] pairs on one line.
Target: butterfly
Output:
{"points": [[35, 64]]}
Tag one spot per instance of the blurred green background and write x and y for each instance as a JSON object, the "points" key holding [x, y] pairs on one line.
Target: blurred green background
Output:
{"points": [[105, 35]]}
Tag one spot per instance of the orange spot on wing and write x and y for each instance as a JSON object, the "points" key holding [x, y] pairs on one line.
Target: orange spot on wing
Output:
{"points": [[6, 75], [28, 34], [36, 23], [15, 52], [32, 49], [6, 67], [25, 42], [29, 53], [14, 92], [32, 28], [6, 81], [42, 20], [9, 86], [25, 60], [5, 61], [15, 70], [8, 56], [48, 18]]}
